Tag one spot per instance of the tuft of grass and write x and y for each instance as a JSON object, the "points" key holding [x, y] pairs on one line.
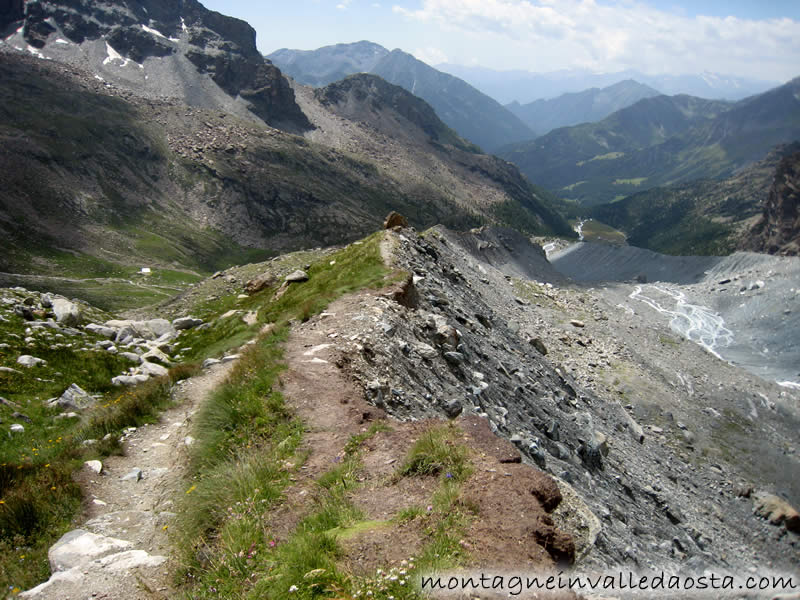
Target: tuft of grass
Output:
{"points": [[353, 445], [438, 452]]}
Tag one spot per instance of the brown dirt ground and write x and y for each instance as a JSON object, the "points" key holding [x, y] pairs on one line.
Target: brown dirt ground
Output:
{"points": [[511, 530]]}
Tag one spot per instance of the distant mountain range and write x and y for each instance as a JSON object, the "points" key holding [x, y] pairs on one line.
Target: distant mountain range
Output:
{"points": [[659, 141], [474, 115], [525, 86], [542, 116]]}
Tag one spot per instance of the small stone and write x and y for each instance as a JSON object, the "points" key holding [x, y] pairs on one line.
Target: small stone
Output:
{"points": [[94, 465], [134, 474], [538, 344], [454, 358], [452, 408], [17, 428], [577, 323], [188, 440], [231, 358], [210, 362]]}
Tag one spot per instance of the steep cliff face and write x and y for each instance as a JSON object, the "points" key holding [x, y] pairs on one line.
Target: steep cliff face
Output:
{"points": [[217, 46], [778, 231]]}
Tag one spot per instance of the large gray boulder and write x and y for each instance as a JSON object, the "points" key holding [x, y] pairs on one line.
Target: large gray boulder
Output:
{"points": [[149, 330], [74, 398], [66, 312], [153, 370]]}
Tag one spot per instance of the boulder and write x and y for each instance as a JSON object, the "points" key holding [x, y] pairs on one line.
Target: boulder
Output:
{"points": [[73, 398], [297, 276], [95, 466], [153, 370], [108, 332], [66, 312], [17, 428], [129, 379], [394, 219], [426, 351], [149, 330], [131, 356], [79, 546], [186, 323], [157, 356], [443, 332], [30, 361], [259, 283]]}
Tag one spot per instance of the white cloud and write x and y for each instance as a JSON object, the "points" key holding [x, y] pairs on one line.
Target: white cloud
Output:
{"points": [[627, 34], [431, 56], [344, 4]]}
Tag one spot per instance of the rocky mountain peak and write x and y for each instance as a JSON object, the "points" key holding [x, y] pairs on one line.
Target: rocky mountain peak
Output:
{"points": [[111, 34]]}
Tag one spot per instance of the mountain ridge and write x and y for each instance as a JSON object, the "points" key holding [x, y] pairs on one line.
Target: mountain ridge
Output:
{"points": [[659, 141], [525, 86], [475, 116], [591, 105]]}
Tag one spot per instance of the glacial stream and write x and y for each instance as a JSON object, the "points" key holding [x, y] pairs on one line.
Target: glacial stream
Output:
{"points": [[743, 308], [694, 322]]}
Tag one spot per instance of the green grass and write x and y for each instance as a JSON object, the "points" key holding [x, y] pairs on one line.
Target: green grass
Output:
{"points": [[358, 266], [438, 452], [595, 231]]}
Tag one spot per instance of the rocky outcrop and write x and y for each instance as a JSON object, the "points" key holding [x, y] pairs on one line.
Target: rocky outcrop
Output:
{"points": [[778, 231], [222, 47]]}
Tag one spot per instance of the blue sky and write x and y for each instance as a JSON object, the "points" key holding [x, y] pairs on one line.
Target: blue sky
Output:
{"points": [[758, 39]]}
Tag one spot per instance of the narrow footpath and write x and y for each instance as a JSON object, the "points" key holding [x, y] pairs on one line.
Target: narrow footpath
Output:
{"points": [[122, 549]]}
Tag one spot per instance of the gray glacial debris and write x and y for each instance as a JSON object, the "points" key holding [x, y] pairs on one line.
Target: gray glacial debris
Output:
{"points": [[599, 412]]}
